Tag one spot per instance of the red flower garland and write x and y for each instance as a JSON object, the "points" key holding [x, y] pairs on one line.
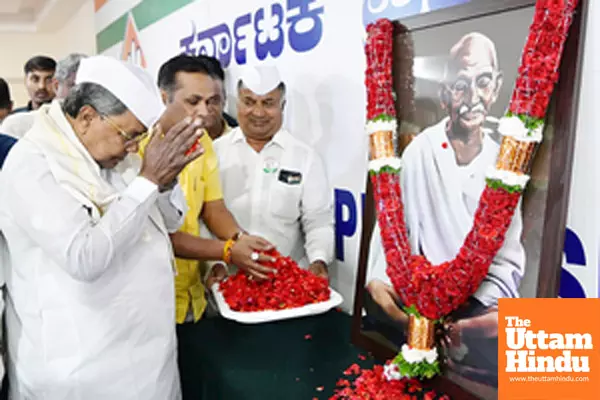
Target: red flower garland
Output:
{"points": [[379, 70], [541, 57], [438, 290], [290, 287]]}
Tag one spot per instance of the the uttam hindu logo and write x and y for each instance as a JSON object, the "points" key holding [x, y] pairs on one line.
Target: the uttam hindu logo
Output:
{"points": [[548, 349], [524, 342]]}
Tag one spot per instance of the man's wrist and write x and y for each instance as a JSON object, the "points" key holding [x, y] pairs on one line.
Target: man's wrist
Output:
{"points": [[238, 235], [167, 187], [228, 251]]}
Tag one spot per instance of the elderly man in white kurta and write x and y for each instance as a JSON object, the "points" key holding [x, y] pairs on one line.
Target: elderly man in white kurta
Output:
{"points": [[90, 303], [443, 177], [274, 184]]}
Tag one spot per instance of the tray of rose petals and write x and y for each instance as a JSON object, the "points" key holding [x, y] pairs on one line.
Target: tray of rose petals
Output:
{"points": [[290, 292]]}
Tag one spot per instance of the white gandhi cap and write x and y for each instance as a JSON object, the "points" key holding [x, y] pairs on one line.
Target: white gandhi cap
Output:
{"points": [[260, 80], [129, 83]]}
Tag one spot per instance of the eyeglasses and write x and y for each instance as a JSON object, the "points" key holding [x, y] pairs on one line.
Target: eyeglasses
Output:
{"points": [[128, 137]]}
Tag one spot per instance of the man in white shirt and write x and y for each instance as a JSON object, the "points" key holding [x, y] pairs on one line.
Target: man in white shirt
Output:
{"points": [[4, 260], [275, 185], [16, 125], [90, 290], [443, 177]]}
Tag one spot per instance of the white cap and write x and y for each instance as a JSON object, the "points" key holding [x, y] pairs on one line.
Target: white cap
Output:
{"points": [[129, 83], [260, 80]]}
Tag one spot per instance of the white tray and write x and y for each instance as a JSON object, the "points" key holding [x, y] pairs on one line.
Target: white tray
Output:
{"points": [[259, 317]]}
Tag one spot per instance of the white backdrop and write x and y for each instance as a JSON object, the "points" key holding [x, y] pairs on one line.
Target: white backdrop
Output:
{"points": [[580, 267], [325, 75]]}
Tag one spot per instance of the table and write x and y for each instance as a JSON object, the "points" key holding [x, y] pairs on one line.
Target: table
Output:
{"points": [[225, 360]]}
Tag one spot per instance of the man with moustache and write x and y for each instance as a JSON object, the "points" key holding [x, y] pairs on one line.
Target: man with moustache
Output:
{"points": [[39, 72], [227, 123], [192, 83], [16, 125], [274, 184], [443, 176]]}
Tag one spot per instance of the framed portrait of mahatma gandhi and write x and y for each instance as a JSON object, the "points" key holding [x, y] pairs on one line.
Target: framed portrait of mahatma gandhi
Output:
{"points": [[454, 73]]}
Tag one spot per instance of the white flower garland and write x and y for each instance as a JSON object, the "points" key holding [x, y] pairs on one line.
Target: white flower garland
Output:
{"points": [[377, 165], [412, 356], [508, 178], [515, 128], [381, 126]]}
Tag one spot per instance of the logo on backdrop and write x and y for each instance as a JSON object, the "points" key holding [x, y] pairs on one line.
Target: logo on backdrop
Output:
{"points": [[266, 32], [132, 48], [548, 348], [574, 253], [395, 9]]}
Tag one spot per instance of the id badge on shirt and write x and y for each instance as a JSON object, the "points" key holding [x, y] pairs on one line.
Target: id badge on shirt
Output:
{"points": [[290, 177]]}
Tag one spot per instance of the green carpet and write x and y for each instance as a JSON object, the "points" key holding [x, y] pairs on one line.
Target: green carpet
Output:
{"points": [[224, 360]]}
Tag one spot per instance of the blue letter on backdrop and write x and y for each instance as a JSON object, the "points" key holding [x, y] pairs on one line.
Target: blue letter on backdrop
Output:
{"points": [[574, 252], [347, 228]]}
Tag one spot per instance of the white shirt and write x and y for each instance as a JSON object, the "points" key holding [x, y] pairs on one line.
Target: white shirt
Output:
{"points": [[281, 194], [90, 305], [17, 125], [4, 260]]}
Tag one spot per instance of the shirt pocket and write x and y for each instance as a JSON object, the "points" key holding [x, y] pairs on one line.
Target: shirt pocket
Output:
{"points": [[285, 201]]}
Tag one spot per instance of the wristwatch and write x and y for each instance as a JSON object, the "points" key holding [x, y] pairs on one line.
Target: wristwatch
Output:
{"points": [[238, 235]]}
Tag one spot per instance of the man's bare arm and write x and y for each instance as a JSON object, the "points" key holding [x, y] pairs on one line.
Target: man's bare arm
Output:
{"points": [[196, 248], [219, 221]]}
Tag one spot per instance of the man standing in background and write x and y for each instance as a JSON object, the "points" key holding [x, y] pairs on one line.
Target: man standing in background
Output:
{"points": [[227, 122], [39, 72], [18, 124], [6, 103]]}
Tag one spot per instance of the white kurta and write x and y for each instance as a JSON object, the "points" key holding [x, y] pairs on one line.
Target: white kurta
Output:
{"points": [[91, 303], [281, 194], [440, 199], [17, 125]]}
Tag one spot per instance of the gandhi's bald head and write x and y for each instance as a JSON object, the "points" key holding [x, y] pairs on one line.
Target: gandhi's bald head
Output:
{"points": [[473, 48], [472, 81]]}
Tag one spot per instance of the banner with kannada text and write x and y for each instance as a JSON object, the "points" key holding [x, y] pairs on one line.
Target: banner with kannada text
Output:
{"points": [[318, 47]]}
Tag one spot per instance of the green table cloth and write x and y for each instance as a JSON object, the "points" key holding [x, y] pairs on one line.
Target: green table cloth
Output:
{"points": [[288, 360]]}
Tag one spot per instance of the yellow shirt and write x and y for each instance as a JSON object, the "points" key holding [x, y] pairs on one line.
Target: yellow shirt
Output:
{"points": [[200, 183]]}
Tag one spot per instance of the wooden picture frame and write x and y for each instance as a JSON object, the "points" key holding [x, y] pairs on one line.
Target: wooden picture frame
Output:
{"points": [[564, 120]]}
